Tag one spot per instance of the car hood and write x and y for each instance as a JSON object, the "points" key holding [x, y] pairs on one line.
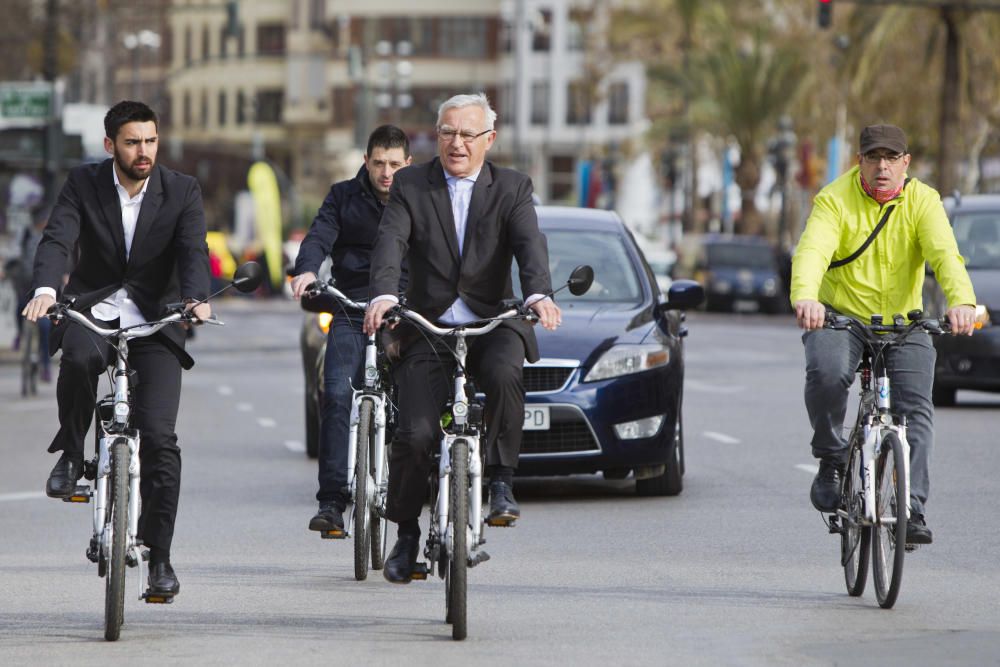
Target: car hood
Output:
{"points": [[987, 285], [587, 328]]}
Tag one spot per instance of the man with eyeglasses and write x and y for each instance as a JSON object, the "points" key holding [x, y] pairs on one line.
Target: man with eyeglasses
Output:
{"points": [[459, 221], [863, 253]]}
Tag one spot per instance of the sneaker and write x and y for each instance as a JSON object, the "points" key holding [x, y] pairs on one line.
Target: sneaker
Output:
{"points": [[917, 531], [329, 517], [826, 486]]}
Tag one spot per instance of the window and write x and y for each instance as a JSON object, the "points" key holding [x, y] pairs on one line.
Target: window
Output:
{"points": [[187, 46], [540, 103], [186, 113], [343, 107], [542, 31], [462, 37], [271, 39], [269, 106], [223, 41], [222, 109], [578, 104], [317, 14], [576, 29], [618, 103], [241, 108], [205, 44], [204, 108]]}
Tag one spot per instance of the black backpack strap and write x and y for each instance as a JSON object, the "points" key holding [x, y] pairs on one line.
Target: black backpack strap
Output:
{"points": [[871, 237]]}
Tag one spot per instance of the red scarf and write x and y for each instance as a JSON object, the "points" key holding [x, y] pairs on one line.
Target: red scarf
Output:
{"points": [[881, 196]]}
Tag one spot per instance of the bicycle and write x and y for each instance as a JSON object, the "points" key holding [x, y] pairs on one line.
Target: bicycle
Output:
{"points": [[456, 519], [372, 418], [874, 508], [114, 468]]}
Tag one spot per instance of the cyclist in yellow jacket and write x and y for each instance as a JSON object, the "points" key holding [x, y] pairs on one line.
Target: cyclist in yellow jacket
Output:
{"points": [[886, 278]]}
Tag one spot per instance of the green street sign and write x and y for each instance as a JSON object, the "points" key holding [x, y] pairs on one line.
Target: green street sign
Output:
{"points": [[31, 102]]}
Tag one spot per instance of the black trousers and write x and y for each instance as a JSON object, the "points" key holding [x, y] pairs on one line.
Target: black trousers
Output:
{"points": [[424, 382], [85, 356]]}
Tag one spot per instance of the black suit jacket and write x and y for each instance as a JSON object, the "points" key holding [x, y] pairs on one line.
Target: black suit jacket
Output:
{"points": [[168, 260], [418, 224]]}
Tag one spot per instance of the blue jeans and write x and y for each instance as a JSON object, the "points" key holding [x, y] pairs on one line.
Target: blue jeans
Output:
{"points": [[832, 359], [343, 371]]}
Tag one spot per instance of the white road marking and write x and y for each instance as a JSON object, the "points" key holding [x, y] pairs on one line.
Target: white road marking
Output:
{"points": [[225, 390], [25, 495], [294, 446], [810, 468], [713, 388], [266, 422], [244, 407], [721, 437]]}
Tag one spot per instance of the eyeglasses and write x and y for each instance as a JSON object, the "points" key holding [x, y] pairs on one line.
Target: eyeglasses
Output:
{"points": [[874, 157], [448, 134]]}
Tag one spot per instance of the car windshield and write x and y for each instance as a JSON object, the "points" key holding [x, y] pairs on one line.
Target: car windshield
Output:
{"points": [[615, 276], [978, 236], [740, 255]]}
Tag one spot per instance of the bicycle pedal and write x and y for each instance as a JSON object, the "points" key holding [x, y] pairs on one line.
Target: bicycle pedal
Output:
{"points": [[501, 522], [80, 495], [479, 556], [333, 534], [157, 598], [419, 572]]}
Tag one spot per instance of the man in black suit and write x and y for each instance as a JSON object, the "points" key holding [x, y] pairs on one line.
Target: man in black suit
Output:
{"points": [[459, 221], [138, 230]]}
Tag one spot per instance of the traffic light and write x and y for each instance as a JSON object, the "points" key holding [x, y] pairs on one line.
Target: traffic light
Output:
{"points": [[825, 16]]}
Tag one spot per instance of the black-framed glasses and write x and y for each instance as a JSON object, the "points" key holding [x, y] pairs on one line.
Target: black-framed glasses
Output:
{"points": [[874, 157], [448, 134]]}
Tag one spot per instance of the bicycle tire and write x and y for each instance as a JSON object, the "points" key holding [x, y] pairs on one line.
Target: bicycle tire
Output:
{"points": [[29, 358], [458, 566], [362, 510], [114, 594], [379, 524], [855, 539], [889, 539]]}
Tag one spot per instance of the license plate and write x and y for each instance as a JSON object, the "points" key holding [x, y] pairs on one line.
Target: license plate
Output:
{"points": [[536, 418]]}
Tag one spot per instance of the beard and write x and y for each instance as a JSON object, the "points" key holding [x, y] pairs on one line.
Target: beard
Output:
{"points": [[134, 170]]}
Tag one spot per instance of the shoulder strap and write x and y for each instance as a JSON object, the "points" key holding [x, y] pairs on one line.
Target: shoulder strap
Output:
{"points": [[871, 237]]}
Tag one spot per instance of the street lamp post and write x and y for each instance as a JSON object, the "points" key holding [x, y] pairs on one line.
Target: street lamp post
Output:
{"points": [[133, 42]]}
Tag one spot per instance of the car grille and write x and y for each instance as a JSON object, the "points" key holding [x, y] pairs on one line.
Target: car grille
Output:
{"points": [[545, 378], [568, 432]]}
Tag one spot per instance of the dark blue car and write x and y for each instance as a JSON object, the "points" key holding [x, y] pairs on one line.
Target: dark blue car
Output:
{"points": [[607, 394]]}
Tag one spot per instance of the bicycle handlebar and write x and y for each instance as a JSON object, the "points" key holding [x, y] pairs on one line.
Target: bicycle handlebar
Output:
{"points": [[932, 326], [319, 287], [61, 310], [466, 330]]}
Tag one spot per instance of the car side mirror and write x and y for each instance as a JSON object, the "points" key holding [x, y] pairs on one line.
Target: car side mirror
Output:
{"points": [[682, 295], [248, 277], [580, 280]]}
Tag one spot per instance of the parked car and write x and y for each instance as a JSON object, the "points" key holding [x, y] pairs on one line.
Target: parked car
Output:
{"points": [[738, 272], [606, 396], [971, 362]]}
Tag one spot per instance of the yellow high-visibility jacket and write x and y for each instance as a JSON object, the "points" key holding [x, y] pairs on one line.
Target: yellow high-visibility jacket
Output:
{"points": [[888, 276]]}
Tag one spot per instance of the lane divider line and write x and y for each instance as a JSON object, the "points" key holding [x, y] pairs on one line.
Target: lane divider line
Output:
{"points": [[721, 437]]}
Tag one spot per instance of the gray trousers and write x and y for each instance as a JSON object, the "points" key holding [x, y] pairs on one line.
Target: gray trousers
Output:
{"points": [[832, 359]]}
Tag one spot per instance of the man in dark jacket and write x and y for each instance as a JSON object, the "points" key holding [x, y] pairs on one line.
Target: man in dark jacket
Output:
{"points": [[138, 230], [345, 229]]}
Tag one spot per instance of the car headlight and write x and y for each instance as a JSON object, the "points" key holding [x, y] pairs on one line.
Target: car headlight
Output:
{"points": [[323, 321], [722, 286], [627, 359], [770, 287]]}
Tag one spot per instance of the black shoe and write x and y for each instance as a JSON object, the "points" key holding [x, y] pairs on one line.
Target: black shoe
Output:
{"points": [[504, 509], [330, 517], [403, 557], [825, 492], [917, 531], [163, 581], [64, 476]]}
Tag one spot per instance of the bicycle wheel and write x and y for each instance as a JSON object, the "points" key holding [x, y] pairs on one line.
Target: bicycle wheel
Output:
{"points": [[889, 543], [117, 525], [29, 358], [362, 511], [458, 521], [379, 525], [855, 539]]}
